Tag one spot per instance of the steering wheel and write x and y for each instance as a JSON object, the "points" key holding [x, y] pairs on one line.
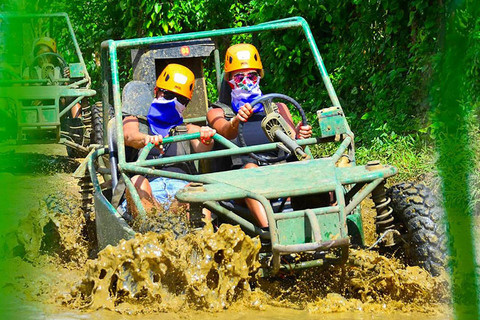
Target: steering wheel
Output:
{"points": [[62, 63], [275, 127], [59, 58]]}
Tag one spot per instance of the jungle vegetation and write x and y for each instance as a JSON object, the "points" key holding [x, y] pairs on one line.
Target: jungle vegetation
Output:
{"points": [[382, 56]]}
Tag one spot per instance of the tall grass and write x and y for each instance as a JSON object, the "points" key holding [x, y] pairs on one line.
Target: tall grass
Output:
{"points": [[414, 159]]}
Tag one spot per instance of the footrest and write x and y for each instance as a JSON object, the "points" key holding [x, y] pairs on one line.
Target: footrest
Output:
{"points": [[308, 228]]}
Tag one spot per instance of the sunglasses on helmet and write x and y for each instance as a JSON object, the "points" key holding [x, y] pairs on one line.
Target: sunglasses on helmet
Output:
{"points": [[169, 95], [252, 76]]}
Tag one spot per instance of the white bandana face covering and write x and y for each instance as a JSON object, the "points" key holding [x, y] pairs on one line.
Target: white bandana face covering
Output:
{"points": [[245, 92]]}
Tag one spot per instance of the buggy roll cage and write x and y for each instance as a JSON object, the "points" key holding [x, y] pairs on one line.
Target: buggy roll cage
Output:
{"points": [[316, 229], [109, 58]]}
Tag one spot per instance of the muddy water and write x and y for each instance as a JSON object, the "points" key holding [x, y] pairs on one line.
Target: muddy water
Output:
{"points": [[202, 275]]}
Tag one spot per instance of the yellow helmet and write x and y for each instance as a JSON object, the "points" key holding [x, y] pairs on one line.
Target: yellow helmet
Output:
{"points": [[46, 41], [178, 79], [242, 56]]}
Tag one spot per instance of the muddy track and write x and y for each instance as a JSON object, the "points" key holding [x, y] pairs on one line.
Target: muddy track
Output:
{"points": [[48, 263]]}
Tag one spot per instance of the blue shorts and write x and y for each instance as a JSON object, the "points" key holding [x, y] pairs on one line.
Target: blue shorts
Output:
{"points": [[164, 190]]}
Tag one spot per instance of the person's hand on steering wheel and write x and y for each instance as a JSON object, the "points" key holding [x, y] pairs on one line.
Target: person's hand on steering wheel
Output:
{"points": [[245, 112], [303, 131], [276, 131]]}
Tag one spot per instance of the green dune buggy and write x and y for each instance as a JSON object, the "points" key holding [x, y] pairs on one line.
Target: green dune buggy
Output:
{"points": [[321, 232], [37, 93]]}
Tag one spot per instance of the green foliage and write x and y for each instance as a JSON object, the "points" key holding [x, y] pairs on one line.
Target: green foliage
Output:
{"points": [[412, 157], [408, 154], [380, 54]]}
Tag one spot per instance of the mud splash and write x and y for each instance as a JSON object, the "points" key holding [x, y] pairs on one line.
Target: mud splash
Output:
{"points": [[155, 273], [206, 270], [203, 271], [214, 271], [163, 219], [367, 282], [54, 228]]}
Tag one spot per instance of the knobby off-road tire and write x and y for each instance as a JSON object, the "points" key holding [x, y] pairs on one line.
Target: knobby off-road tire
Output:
{"points": [[97, 122], [89, 230], [419, 219], [79, 130]]}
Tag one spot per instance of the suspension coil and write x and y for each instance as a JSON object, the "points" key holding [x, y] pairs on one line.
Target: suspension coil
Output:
{"points": [[87, 124], [384, 220], [86, 190], [195, 211]]}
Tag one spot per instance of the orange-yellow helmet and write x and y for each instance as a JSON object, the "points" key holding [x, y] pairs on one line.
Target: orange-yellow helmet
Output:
{"points": [[242, 56], [46, 41], [178, 79]]}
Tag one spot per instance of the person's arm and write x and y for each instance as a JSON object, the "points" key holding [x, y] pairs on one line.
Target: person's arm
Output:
{"points": [[228, 129], [205, 143], [136, 139]]}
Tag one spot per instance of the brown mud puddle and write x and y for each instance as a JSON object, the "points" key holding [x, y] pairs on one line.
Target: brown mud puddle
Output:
{"points": [[204, 271], [213, 271]]}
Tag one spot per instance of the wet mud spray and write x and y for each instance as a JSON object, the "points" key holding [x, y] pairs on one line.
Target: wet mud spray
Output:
{"points": [[205, 270], [211, 271], [215, 271]]}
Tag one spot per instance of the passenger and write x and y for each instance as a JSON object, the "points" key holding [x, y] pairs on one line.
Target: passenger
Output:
{"points": [[243, 71], [173, 92]]}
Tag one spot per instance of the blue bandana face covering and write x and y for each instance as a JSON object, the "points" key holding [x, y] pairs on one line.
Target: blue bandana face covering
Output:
{"points": [[245, 92], [164, 115]]}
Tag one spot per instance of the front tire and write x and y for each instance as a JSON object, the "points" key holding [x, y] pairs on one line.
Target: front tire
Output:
{"points": [[420, 221]]}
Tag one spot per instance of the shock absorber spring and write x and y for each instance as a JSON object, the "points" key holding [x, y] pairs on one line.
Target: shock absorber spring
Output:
{"points": [[384, 219]]}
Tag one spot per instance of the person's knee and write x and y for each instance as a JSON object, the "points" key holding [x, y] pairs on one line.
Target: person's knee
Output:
{"points": [[142, 184], [76, 110], [250, 166], [138, 181]]}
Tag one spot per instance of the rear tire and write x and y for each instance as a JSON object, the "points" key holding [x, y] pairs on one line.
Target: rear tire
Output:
{"points": [[420, 221], [79, 131], [97, 122]]}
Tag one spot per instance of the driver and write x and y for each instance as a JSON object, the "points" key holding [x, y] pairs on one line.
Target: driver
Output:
{"points": [[243, 71], [47, 66], [173, 92]]}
